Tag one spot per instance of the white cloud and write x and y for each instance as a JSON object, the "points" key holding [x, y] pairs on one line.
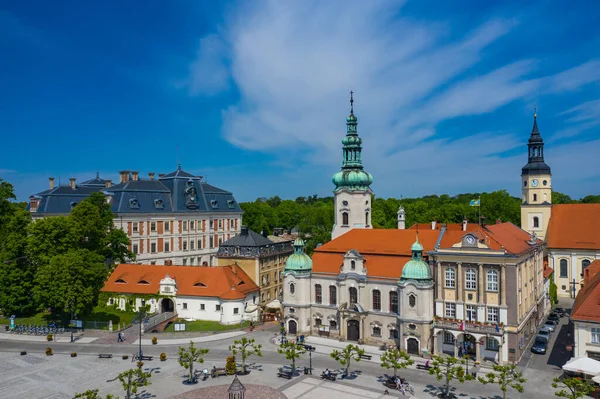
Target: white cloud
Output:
{"points": [[209, 73]]}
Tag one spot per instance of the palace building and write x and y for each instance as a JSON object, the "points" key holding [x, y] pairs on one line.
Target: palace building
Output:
{"points": [[175, 219]]}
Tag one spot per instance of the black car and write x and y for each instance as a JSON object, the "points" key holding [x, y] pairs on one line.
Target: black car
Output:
{"points": [[540, 346], [554, 317]]}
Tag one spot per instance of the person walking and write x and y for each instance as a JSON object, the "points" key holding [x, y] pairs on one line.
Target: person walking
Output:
{"points": [[119, 337]]}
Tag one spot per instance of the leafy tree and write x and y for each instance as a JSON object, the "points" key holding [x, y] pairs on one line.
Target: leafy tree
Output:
{"points": [[449, 369], [572, 388], [246, 348], [553, 291], [92, 394], [230, 365], [346, 355], [189, 356], [394, 358], [133, 379], [71, 283], [506, 376], [292, 351], [50, 237], [560, 198]]}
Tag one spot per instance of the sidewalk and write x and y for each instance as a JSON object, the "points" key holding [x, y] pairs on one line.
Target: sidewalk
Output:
{"points": [[63, 338], [184, 341]]}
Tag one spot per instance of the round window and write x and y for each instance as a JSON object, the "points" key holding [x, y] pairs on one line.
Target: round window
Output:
{"points": [[412, 326], [545, 182]]}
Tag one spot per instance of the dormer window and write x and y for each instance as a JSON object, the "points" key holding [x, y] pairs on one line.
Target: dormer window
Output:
{"points": [[73, 204], [143, 282], [214, 204], [352, 265], [159, 204], [120, 281], [241, 283], [134, 203], [199, 284], [231, 204]]}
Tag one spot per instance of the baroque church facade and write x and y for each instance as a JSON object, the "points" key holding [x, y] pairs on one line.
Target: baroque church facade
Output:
{"points": [[452, 288]]}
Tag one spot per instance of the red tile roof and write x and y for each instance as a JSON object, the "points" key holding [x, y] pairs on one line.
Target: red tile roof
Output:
{"points": [[574, 226], [547, 269], [587, 303], [225, 282]]}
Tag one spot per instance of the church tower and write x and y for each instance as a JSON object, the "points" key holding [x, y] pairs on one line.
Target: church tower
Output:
{"points": [[352, 184], [536, 185]]}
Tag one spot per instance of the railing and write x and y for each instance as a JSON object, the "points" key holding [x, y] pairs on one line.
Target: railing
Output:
{"points": [[469, 327], [157, 319]]}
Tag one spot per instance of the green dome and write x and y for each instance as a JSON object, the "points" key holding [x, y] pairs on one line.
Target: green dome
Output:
{"points": [[354, 179], [351, 118], [416, 268], [416, 246], [298, 262]]}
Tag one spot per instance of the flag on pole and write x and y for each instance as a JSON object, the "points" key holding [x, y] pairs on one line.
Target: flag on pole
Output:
{"points": [[474, 202], [462, 325], [497, 328]]}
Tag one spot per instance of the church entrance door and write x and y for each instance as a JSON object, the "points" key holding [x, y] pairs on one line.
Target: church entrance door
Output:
{"points": [[353, 330], [412, 346], [292, 327], [166, 305]]}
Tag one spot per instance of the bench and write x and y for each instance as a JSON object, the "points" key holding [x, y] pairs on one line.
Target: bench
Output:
{"points": [[142, 358], [285, 374], [423, 367], [366, 357], [309, 348], [105, 356], [215, 372], [330, 377]]}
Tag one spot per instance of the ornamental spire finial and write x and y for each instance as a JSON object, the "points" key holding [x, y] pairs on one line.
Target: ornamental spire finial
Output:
{"points": [[351, 102]]}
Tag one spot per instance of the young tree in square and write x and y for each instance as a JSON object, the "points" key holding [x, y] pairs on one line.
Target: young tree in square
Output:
{"points": [[572, 388], [292, 351], [245, 348], [190, 355], [346, 355], [506, 377], [133, 379], [449, 369], [93, 394], [394, 358]]}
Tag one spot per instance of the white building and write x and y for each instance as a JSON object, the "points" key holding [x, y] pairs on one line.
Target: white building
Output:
{"points": [[586, 315]]}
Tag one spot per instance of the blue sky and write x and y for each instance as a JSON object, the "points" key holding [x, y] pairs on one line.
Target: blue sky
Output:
{"points": [[254, 95]]}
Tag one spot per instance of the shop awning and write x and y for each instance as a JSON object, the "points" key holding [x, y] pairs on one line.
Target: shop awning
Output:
{"points": [[583, 365]]}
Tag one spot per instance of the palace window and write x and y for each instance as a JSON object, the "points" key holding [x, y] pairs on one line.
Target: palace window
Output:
{"points": [[167, 226], [152, 226], [217, 308], [292, 288], [471, 312], [317, 322], [185, 225], [412, 301], [332, 325], [450, 278], [167, 247], [318, 293], [135, 227], [564, 268], [376, 300], [345, 219], [451, 310], [192, 243], [184, 305], [185, 245], [353, 293], [184, 261], [492, 280], [153, 247], [202, 306], [493, 314], [595, 335], [332, 295], [393, 302], [135, 249], [470, 279], [393, 334], [448, 338], [377, 331], [491, 344]]}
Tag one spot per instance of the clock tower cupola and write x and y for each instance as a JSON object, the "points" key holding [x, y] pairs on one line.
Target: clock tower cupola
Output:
{"points": [[536, 186]]}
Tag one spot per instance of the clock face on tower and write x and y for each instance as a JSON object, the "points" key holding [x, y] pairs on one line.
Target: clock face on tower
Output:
{"points": [[469, 240], [534, 183]]}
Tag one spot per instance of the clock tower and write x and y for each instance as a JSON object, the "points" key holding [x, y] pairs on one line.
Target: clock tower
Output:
{"points": [[536, 186]]}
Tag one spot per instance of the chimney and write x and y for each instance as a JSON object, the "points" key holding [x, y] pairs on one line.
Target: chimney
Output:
{"points": [[51, 179], [107, 183], [464, 225], [161, 175], [498, 221], [134, 176], [234, 268], [244, 231], [151, 175], [123, 176], [72, 183], [433, 223]]}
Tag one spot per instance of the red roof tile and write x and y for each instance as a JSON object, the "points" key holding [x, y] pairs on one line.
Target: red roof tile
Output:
{"points": [[574, 226], [226, 282], [587, 303]]}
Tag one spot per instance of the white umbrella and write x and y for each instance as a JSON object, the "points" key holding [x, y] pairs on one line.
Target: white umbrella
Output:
{"points": [[583, 365], [251, 308], [275, 304], [596, 379]]}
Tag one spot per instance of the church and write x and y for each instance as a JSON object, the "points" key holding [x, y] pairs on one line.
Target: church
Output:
{"points": [[452, 288]]}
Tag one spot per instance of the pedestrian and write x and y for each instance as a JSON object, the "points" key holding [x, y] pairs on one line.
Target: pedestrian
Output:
{"points": [[398, 385], [119, 338]]}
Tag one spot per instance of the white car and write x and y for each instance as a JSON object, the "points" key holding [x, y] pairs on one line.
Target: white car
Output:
{"points": [[549, 325]]}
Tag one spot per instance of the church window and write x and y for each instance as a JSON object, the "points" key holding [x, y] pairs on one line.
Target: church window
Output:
{"points": [[366, 218], [450, 278], [318, 293], [584, 264], [412, 301], [470, 279], [345, 218], [353, 293], [317, 322], [545, 182], [393, 334], [332, 295], [534, 197], [376, 300], [536, 221], [492, 280], [377, 331], [352, 265], [564, 268], [332, 325], [292, 288], [393, 302]]}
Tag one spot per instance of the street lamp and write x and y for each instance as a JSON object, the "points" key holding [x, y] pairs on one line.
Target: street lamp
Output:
{"points": [[310, 351], [141, 318]]}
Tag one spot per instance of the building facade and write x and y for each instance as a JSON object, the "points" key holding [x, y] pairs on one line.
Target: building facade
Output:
{"points": [[175, 219], [586, 315], [262, 259]]}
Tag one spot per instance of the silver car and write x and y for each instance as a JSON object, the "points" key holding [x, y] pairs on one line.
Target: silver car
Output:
{"points": [[549, 325], [545, 333]]}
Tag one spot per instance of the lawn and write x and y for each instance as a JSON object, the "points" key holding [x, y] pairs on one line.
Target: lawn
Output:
{"points": [[206, 326], [98, 314]]}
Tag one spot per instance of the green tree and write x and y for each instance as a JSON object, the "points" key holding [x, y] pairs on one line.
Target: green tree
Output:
{"points": [[394, 358], [560, 198], [449, 369], [346, 355], [189, 356], [133, 379], [246, 348], [71, 283], [93, 394], [50, 237], [292, 351], [553, 291], [506, 377], [572, 388]]}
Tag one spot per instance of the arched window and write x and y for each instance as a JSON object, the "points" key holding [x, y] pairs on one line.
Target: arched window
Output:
{"points": [[366, 218], [584, 264], [393, 302], [492, 280], [536, 220], [352, 265], [292, 288], [412, 301], [332, 295], [564, 268], [450, 278], [376, 300], [353, 295], [345, 218], [318, 293], [534, 197], [470, 279]]}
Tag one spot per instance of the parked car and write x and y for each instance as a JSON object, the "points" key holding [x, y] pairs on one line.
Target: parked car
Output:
{"points": [[550, 325], [540, 346], [545, 333], [561, 312], [554, 322]]}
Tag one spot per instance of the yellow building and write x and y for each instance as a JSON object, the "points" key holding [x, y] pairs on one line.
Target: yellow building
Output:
{"points": [[262, 259]]}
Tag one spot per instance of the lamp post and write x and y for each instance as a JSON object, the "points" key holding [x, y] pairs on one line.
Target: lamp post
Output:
{"points": [[467, 356], [310, 359], [141, 318]]}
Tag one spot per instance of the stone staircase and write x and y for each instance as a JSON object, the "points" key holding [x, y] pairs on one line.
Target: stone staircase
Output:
{"points": [[132, 332]]}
